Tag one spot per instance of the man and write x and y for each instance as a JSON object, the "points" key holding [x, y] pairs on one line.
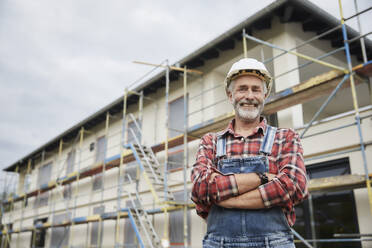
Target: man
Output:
{"points": [[248, 177]]}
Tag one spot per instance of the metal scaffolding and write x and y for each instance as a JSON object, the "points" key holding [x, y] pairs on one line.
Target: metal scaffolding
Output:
{"points": [[348, 75], [147, 163]]}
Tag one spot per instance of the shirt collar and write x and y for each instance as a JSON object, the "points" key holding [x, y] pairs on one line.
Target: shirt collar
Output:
{"points": [[230, 128]]}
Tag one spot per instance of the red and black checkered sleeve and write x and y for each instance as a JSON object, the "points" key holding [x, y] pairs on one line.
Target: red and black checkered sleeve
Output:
{"points": [[289, 187], [205, 191]]}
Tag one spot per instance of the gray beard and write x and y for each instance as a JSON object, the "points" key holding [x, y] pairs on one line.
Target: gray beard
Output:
{"points": [[248, 115]]}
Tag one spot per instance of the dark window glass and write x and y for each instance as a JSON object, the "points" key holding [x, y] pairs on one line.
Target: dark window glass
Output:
{"points": [[91, 146], [333, 212], [38, 235], [176, 224]]}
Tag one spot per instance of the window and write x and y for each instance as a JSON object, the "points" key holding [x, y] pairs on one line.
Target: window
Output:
{"points": [[175, 157], [176, 224], [26, 187], [43, 178], [27, 183], [97, 228], [130, 239], [272, 119], [8, 188], [130, 137], [101, 149], [60, 235], [70, 162], [176, 117], [69, 168], [131, 170], [334, 212], [38, 235], [100, 157]]}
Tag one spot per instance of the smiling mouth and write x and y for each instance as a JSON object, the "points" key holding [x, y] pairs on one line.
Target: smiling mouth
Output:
{"points": [[247, 105]]}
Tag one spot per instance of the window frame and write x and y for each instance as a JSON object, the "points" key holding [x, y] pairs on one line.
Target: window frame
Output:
{"points": [[129, 231], [70, 164], [42, 233], [183, 114], [42, 199], [303, 224], [174, 151], [57, 218], [174, 218], [95, 227], [97, 182], [139, 136]]}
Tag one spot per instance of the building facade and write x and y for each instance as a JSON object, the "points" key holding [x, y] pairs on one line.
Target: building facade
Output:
{"points": [[75, 191]]}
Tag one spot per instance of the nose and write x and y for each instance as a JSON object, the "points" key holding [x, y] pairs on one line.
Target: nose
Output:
{"points": [[249, 94]]}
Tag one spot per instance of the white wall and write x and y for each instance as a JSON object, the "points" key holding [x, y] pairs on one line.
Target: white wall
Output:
{"points": [[154, 132]]}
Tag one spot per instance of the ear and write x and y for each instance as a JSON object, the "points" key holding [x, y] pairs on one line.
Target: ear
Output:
{"points": [[229, 95]]}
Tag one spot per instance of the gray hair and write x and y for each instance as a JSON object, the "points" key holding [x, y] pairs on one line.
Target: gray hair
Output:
{"points": [[230, 88]]}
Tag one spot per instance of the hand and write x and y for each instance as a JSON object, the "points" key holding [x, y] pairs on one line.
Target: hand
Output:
{"points": [[214, 174], [270, 176]]}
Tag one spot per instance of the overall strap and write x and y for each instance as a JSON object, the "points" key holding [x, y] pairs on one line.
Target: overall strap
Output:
{"points": [[268, 140], [221, 146]]}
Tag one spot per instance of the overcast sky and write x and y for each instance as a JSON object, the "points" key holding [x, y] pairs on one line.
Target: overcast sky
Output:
{"points": [[61, 61]]}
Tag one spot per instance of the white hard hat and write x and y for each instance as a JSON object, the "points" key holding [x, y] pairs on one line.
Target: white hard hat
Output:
{"points": [[249, 66]]}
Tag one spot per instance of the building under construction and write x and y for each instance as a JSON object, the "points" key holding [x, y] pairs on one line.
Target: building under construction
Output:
{"points": [[121, 177]]}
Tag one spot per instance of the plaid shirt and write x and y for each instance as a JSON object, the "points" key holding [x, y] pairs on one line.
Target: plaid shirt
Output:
{"points": [[287, 189]]}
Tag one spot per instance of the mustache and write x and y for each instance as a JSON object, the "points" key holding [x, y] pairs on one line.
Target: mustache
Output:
{"points": [[248, 102]]}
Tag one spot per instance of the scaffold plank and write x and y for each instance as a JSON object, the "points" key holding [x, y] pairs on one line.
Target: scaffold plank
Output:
{"points": [[93, 218], [311, 89], [364, 69], [337, 183]]}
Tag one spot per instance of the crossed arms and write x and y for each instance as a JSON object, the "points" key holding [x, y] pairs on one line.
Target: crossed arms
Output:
{"points": [[248, 196], [285, 188]]}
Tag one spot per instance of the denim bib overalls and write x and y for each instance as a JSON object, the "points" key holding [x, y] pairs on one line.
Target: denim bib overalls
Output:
{"points": [[244, 227]]}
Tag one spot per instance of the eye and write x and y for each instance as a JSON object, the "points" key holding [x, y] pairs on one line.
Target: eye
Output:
{"points": [[256, 89], [242, 89]]}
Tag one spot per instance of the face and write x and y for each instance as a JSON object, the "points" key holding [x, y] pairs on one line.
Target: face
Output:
{"points": [[247, 97]]}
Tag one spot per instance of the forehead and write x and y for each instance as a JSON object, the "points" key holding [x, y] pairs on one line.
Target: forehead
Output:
{"points": [[248, 81]]}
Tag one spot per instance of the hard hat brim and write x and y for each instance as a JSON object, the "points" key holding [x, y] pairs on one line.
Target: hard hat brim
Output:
{"points": [[249, 73]]}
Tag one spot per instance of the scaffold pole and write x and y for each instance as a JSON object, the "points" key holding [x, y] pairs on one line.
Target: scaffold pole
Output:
{"points": [[355, 104]]}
